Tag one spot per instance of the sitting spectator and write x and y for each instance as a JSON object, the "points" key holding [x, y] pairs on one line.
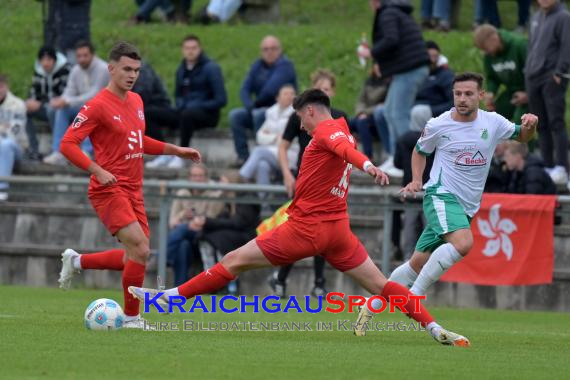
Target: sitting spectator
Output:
{"points": [[200, 96], [527, 171], [219, 11], [50, 77], [371, 96], [266, 76], [146, 7], [413, 223], [67, 23], [504, 60], [263, 162], [498, 177], [158, 112], [13, 138], [86, 79], [436, 14], [184, 217], [436, 93]]}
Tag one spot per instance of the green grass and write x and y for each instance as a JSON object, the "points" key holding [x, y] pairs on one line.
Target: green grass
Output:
{"points": [[42, 336], [321, 33]]}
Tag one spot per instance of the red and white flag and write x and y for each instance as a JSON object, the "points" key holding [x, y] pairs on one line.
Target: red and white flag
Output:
{"points": [[513, 242]]}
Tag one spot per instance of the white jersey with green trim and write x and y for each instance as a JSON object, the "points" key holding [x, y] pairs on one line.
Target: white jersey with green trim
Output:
{"points": [[463, 153]]}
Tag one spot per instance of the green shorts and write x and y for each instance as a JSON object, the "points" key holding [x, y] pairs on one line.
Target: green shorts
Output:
{"points": [[444, 214]]}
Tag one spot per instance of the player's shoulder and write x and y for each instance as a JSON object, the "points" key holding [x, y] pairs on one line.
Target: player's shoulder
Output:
{"points": [[134, 97], [332, 129], [491, 117], [440, 122]]}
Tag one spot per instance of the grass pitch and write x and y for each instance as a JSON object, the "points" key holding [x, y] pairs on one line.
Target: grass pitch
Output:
{"points": [[42, 336]]}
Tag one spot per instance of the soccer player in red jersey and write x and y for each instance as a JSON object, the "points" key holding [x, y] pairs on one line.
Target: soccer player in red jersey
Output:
{"points": [[114, 121], [318, 221]]}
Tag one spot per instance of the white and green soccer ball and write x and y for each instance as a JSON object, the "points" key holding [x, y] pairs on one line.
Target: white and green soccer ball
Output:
{"points": [[104, 314]]}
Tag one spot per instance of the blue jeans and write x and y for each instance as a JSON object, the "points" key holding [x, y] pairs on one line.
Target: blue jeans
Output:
{"points": [[179, 251], [240, 120], [10, 152], [146, 7], [63, 118], [439, 9], [223, 9], [487, 10], [399, 101], [45, 113], [382, 128]]}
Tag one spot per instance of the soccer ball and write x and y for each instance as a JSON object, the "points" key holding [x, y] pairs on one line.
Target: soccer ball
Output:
{"points": [[104, 314]]}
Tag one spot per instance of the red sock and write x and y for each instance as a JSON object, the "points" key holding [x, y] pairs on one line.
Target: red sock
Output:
{"points": [[133, 275], [206, 282], [418, 314], [112, 259]]}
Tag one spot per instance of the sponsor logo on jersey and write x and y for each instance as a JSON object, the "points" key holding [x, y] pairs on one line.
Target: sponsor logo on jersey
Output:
{"points": [[79, 119], [469, 159]]}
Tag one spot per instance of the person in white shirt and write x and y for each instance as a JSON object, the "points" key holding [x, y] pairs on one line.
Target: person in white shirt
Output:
{"points": [[263, 161], [464, 140], [13, 137]]}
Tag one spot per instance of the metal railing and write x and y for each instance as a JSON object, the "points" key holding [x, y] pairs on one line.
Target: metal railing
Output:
{"points": [[164, 190]]}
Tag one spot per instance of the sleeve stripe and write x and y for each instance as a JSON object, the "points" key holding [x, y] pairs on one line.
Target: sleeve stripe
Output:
{"points": [[420, 151], [516, 134]]}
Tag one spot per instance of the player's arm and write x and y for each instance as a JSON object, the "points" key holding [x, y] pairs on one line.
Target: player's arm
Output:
{"points": [[418, 167], [529, 122], [155, 147], [288, 178], [343, 148]]}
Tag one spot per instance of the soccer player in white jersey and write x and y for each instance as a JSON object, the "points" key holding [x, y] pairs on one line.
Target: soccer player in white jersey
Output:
{"points": [[464, 140]]}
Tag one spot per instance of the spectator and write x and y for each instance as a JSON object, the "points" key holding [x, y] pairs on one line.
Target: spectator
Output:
{"points": [[547, 73], [371, 97], [50, 77], [146, 7], [266, 76], [498, 177], [413, 223], [436, 93], [158, 111], [487, 11], [66, 24], [219, 11], [436, 14], [200, 95], [86, 79], [184, 223], [263, 161], [400, 51], [503, 61], [13, 138], [527, 171]]}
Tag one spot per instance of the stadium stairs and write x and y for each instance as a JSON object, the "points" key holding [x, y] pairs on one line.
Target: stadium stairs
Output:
{"points": [[36, 226]]}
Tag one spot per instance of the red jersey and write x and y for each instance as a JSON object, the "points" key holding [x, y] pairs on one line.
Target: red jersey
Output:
{"points": [[116, 128], [324, 175]]}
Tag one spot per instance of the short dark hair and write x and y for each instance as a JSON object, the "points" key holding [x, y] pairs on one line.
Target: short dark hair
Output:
{"points": [[191, 37], [85, 44], [311, 96], [47, 51], [124, 49], [432, 45], [469, 76]]}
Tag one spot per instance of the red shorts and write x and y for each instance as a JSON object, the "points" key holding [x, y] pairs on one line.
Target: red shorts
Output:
{"points": [[116, 210], [294, 240]]}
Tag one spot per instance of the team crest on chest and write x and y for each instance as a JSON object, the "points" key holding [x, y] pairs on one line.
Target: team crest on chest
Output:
{"points": [[141, 114], [484, 134]]}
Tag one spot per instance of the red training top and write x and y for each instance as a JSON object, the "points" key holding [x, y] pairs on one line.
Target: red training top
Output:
{"points": [[116, 128], [322, 184]]}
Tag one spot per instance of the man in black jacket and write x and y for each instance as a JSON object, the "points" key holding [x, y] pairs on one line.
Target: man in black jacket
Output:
{"points": [[400, 51], [527, 171]]}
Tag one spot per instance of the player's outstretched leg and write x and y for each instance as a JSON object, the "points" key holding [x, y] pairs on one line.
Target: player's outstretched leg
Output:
{"points": [[242, 259], [73, 263], [369, 277]]}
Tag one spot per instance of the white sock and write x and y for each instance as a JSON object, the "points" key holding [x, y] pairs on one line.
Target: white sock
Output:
{"points": [[433, 328], [439, 262], [76, 261], [404, 275], [132, 317], [171, 292]]}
